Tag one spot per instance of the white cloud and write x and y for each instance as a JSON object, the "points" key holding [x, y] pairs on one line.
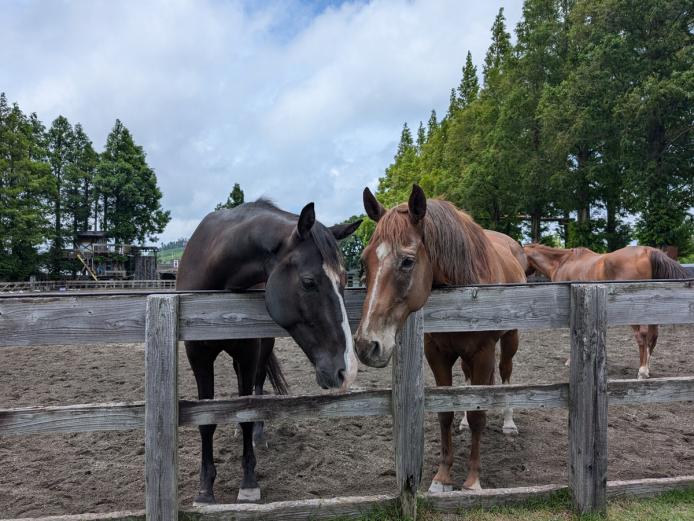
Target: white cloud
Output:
{"points": [[292, 102]]}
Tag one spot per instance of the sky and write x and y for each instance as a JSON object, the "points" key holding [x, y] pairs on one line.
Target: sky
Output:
{"points": [[294, 100]]}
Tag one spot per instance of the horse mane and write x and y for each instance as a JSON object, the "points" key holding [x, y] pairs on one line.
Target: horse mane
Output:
{"points": [[456, 244]]}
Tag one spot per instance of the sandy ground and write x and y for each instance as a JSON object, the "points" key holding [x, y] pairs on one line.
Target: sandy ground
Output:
{"points": [[100, 472]]}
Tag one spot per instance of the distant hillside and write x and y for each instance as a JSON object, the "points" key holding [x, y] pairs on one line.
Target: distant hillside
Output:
{"points": [[171, 251]]}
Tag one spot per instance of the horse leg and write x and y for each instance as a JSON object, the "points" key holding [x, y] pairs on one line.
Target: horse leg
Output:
{"points": [[246, 357], [466, 371], [651, 341], [641, 336], [442, 366], [266, 346], [482, 374], [201, 357], [509, 346]]}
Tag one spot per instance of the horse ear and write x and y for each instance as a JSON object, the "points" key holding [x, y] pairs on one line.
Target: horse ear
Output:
{"points": [[373, 208], [417, 204], [307, 219], [342, 231]]}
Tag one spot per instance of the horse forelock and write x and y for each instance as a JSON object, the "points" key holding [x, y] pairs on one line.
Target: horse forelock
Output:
{"points": [[327, 246], [456, 245]]}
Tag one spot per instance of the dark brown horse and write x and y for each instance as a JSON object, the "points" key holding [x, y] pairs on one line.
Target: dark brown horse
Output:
{"points": [[298, 261], [414, 247], [630, 263]]}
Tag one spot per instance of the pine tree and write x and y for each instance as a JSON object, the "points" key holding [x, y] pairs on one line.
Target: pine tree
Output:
{"points": [[79, 183], [469, 85], [235, 198], [60, 140], [406, 142], [432, 125], [499, 50], [26, 186], [130, 198], [421, 136]]}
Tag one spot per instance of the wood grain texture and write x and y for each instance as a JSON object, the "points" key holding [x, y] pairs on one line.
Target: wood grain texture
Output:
{"points": [[653, 390], [161, 408], [254, 408], [485, 308], [651, 303], [485, 397], [73, 320], [588, 398], [408, 412], [649, 486], [72, 418], [313, 509]]}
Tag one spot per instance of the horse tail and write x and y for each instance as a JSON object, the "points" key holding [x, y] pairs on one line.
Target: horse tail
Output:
{"points": [[274, 372], [664, 267]]}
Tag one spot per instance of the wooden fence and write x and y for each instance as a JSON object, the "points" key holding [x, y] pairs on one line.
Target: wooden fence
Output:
{"points": [[72, 285], [160, 320]]}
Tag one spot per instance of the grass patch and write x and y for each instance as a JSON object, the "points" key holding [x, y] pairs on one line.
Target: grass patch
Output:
{"points": [[671, 506]]}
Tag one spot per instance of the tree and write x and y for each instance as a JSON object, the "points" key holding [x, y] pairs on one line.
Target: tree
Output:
{"points": [[235, 198], [127, 187], [469, 85], [80, 196], [26, 186], [352, 246], [60, 142], [656, 115]]}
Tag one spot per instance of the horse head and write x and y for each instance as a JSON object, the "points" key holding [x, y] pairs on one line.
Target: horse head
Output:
{"points": [[305, 295], [398, 275]]}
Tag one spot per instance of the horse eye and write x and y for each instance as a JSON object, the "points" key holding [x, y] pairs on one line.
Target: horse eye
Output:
{"points": [[308, 283], [407, 263]]}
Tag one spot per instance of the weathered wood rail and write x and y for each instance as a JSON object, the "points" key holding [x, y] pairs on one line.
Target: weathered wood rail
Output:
{"points": [[160, 320]]}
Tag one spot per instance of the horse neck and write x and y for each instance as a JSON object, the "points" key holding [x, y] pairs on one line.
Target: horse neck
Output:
{"points": [[262, 250], [547, 260]]}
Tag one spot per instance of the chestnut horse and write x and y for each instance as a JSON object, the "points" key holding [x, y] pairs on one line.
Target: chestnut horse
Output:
{"points": [[630, 263], [416, 246]]}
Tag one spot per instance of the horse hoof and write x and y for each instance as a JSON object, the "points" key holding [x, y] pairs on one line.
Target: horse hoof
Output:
{"points": [[643, 375], [511, 430], [437, 486], [204, 499], [474, 486], [249, 495]]}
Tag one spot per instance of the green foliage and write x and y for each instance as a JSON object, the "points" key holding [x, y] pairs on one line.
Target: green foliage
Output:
{"points": [[53, 184], [26, 188], [235, 198], [352, 246], [587, 117], [127, 186]]}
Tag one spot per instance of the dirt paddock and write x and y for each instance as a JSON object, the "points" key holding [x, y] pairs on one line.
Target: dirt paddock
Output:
{"points": [[99, 472]]}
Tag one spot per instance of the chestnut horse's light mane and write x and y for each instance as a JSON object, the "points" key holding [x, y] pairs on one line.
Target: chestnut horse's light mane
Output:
{"points": [[457, 246]]}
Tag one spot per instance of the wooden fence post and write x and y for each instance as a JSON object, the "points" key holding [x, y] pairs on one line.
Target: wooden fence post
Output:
{"points": [[588, 399], [408, 412], [161, 408]]}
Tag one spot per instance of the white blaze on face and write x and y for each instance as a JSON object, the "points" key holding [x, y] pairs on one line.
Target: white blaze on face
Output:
{"points": [[351, 362], [382, 252]]}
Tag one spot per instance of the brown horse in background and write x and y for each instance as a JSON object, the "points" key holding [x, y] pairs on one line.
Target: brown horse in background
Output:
{"points": [[414, 247], [630, 263]]}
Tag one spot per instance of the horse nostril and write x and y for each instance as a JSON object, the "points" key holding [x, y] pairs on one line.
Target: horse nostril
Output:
{"points": [[375, 349]]}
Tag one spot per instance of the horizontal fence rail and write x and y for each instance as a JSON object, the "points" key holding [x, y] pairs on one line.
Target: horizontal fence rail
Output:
{"points": [[77, 319], [126, 416]]}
